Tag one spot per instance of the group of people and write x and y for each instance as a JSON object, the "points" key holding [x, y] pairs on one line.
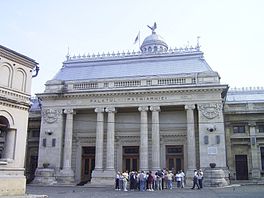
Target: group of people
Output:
{"points": [[148, 181], [198, 179]]}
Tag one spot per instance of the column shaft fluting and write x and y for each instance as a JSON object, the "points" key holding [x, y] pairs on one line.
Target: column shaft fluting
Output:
{"points": [[99, 139], [191, 162], [155, 138], [110, 146], [68, 139], [143, 138]]}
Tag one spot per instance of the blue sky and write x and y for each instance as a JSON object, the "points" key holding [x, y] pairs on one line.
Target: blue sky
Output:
{"points": [[231, 31]]}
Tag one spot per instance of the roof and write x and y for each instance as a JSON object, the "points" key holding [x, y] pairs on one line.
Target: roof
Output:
{"points": [[247, 94], [174, 62]]}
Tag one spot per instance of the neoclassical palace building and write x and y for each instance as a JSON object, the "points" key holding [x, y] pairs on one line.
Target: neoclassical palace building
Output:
{"points": [[159, 108]]}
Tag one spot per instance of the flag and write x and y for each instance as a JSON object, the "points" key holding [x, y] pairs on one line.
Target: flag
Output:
{"points": [[137, 38]]}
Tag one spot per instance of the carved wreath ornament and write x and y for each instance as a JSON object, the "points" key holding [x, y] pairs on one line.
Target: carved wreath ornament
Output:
{"points": [[50, 115], [210, 111]]}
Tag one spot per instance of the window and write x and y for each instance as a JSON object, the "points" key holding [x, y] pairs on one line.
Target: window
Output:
{"points": [[44, 142], [261, 128], [238, 129], [262, 157], [53, 142]]}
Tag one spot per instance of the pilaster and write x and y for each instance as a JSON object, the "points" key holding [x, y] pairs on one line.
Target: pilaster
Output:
{"points": [[254, 151]]}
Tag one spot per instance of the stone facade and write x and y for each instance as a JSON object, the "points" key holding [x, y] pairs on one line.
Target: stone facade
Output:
{"points": [[244, 122], [15, 84], [131, 111]]}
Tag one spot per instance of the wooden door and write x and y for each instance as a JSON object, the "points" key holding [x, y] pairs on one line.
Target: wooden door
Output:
{"points": [[174, 157], [241, 167], [88, 163], [130, 158]]}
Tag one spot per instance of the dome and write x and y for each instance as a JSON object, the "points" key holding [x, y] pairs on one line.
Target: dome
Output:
{"points": [[153, 43]]}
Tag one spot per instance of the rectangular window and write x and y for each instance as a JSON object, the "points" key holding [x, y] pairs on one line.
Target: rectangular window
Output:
{"points": [[262, 157], [44, 142], [261, 128], [53, 142], [239, 129]]}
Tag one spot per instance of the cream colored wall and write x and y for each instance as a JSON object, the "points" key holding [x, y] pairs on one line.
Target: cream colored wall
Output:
{"points": [[15, 76]]}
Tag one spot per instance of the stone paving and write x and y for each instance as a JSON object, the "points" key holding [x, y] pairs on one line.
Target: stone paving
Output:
{"points": [[233, 191]]}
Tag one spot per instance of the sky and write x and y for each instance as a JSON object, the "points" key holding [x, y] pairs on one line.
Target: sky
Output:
{"points": [[231, 32]]}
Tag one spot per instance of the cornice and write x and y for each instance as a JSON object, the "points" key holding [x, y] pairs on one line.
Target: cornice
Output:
{"points": [[124, 92], [14, 105], [17, 57]]}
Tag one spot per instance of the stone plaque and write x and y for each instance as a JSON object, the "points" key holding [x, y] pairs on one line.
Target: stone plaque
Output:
{"points": [[212, 150]]}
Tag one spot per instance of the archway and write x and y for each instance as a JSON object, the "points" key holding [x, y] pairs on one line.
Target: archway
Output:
{"points": [[4, 125]]}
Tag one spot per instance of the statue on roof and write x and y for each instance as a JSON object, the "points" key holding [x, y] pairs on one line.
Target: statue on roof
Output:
{"points": [[153, 27]]}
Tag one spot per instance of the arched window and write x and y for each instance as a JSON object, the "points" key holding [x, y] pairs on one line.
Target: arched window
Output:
{"points": [[6, 73]]}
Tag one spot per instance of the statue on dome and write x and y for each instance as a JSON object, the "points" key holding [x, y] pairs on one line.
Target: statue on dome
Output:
{"points": [[153, 27]]}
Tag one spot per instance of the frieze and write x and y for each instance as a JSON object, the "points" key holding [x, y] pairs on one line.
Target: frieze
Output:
{"points": [[128, 99], [51, 115], [210, 111]]}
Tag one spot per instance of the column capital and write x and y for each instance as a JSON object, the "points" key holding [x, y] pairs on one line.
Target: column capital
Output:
{"points": [[99, 110], [154, 108], [143, 108], [110, 109], [69, 111], [251, 124], [189, 107]]}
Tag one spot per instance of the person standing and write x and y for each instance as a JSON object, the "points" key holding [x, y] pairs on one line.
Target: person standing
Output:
{"points": [[117, 186], [200, 178], [182, 175], [178, 179], [125, 180], [195, 180]]}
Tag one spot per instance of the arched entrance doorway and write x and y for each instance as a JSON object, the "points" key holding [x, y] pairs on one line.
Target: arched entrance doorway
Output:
{"points": [[4, 125]]}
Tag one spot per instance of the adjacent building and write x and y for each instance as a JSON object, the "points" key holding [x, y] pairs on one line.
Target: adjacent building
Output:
{"points": [[15, 88]]}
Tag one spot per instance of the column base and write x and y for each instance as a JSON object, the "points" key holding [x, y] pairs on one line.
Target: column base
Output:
{"points": [[103, 178], [189, 177], [45, 176], [66, 176], [255, 174], [12, 181], [215, 177]]}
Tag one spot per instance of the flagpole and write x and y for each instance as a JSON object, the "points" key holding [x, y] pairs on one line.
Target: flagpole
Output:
{"points": [[139, 40]]}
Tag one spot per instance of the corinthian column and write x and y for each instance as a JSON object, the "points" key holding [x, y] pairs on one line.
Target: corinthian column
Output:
{"points": [[143, 138], [191, 153], [155, 138], [99, 139], [110, 146]]}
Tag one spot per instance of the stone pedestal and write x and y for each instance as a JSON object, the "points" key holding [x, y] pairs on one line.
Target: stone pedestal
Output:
{"points": [[12, 180], [45, 176], [102, 178], [256, 174], [66, 176], [215, 177]]}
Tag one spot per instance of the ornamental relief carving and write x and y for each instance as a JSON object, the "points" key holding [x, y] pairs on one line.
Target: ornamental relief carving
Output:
{"points": [[51, 115], [210, 111]]}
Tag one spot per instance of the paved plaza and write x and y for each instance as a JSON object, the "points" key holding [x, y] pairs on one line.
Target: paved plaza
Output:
{"points": [[247, 191]]}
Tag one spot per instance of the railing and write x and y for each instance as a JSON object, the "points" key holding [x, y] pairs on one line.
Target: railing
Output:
{"points": [[84, 86], [172, 81], [181, 50], [134, 83]]}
